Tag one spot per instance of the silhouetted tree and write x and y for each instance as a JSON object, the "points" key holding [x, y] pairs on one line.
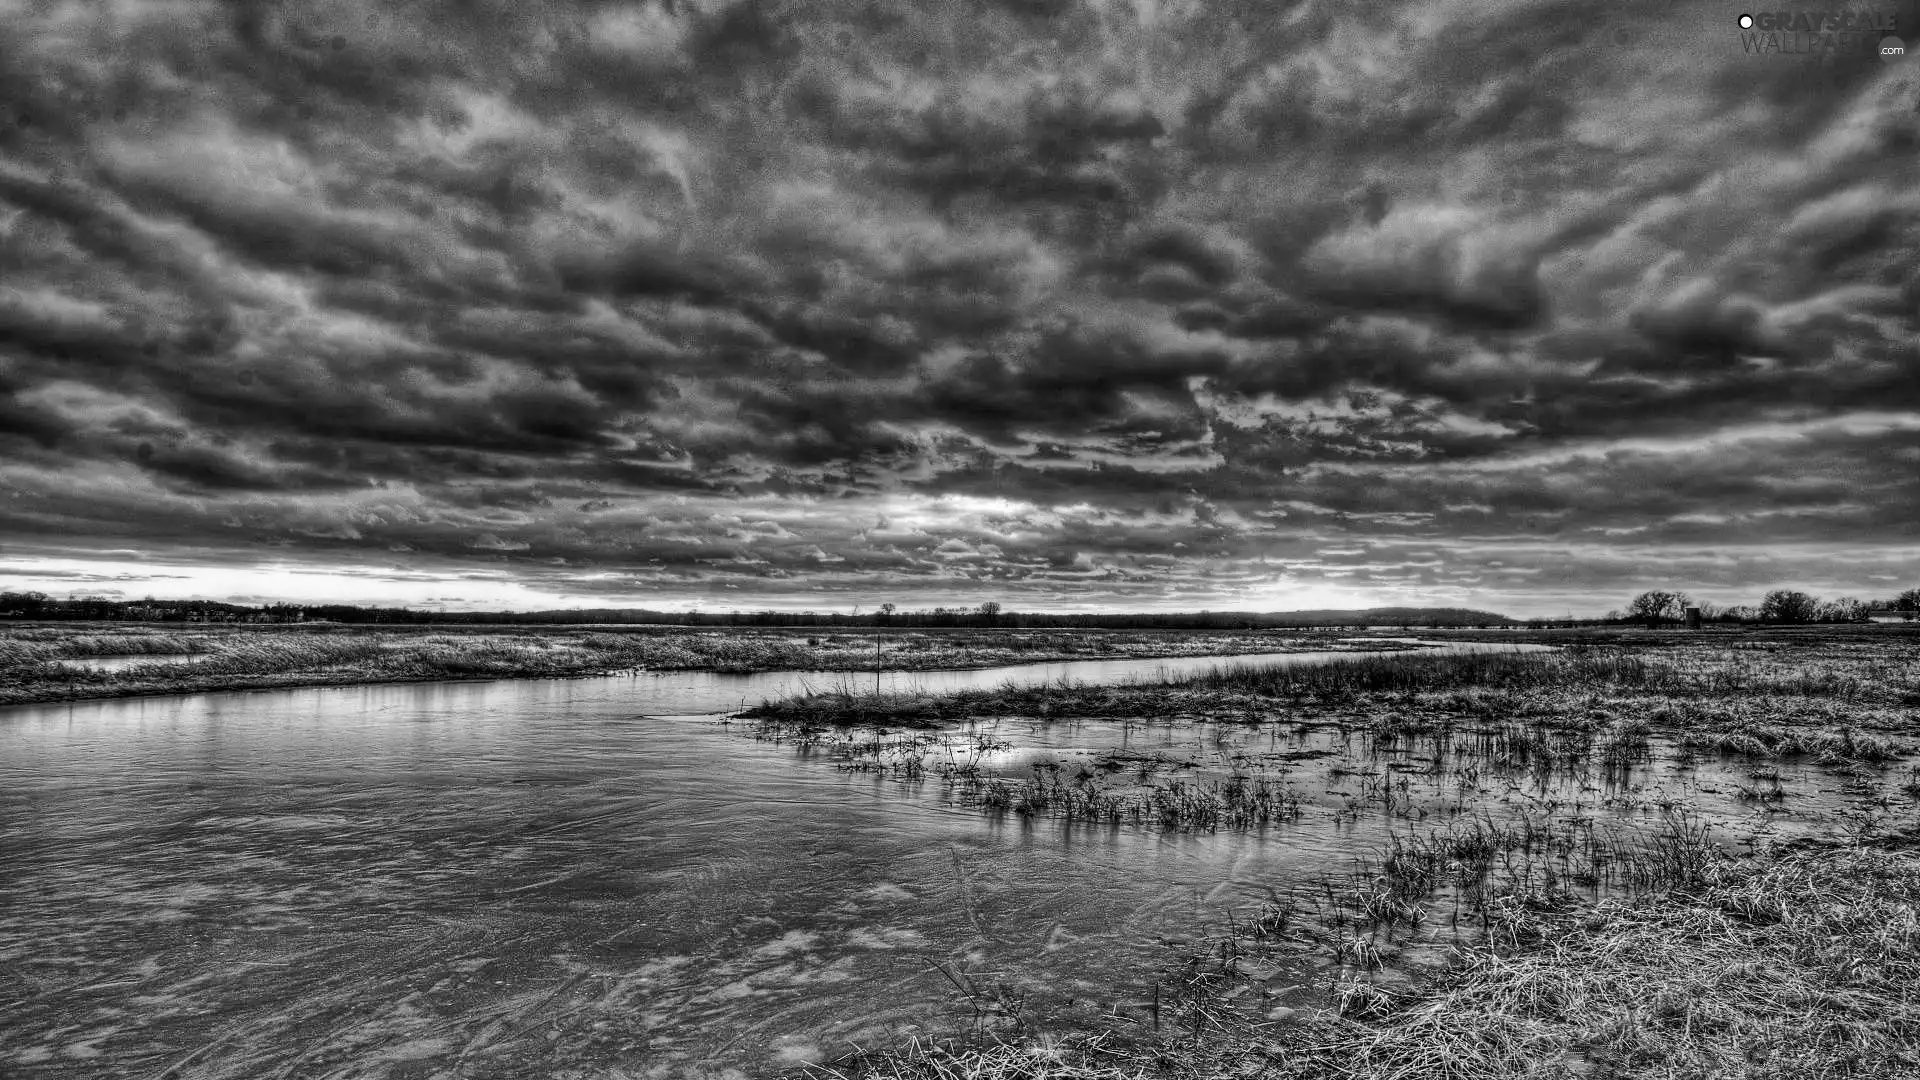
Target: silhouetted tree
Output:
{"points": [[1844, 610], [1656, 604], [26, 603], [1788, 606]]}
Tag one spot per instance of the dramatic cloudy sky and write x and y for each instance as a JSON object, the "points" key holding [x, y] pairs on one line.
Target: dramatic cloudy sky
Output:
{"points": [[1061, 303]]}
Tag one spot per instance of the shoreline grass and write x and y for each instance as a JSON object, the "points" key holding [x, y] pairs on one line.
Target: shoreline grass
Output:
{"points": [[1740, 970], [47, 663], [1734, 969], [1821, 705], [1575, 951]]}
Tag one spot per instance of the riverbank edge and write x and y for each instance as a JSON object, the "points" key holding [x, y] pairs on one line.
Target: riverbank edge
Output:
{"points": [[227, 683], [1740, 973]]}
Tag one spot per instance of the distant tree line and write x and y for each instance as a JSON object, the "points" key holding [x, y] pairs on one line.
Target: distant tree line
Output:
{"points": [[38, 605], [1657, 606], [35, 605], [1653, 607]]}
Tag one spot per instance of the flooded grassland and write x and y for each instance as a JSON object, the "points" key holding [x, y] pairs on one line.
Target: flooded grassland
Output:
{"points": [[1683, 859], [1695, 859]]}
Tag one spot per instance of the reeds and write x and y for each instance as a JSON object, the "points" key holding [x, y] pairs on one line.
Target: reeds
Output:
{"points": [[1746, 973], [1237, 803], [24, 647], [1742, 971], [243, 657], [1530, 711], [1843, 744], [921, 1059]]}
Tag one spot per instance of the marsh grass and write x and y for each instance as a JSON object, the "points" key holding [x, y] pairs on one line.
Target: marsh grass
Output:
{"points": [[1540, 710], [1733, 968], [1239, 801], [1475, 866], [1577, 947], [927, 1059], [1845, 744], [31, 667], [1742, 972], [27, 647]]}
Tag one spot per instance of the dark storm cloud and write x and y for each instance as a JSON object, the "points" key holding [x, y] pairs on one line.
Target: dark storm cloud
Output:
{"points": [[1154, 303]]}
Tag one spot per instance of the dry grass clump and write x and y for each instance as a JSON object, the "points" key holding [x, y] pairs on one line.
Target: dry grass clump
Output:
{"points": [[1798, 965], [135, 643], [1842, 744], [1489, 865], [1077, 1059], [23, 647], [724, 652], [16, 652], [1801, 964], [1626, 743], [1414, 673], [1236, 803]]}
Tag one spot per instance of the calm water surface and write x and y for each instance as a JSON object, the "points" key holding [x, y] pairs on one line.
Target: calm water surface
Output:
{"points": [[565, 878]]}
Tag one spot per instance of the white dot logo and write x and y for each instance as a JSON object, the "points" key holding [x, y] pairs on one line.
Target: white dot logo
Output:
{"points": [[1746, 22]]}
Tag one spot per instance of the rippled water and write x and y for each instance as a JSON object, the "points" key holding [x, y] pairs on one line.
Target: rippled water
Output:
{"points": [[567, 877]]}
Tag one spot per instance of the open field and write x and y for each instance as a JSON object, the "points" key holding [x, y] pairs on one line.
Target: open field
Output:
{"points": [[54, 661], [1696, 857]]}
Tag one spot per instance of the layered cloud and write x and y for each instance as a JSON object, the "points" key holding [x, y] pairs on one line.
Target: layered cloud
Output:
{"points": [[1144, 304]]}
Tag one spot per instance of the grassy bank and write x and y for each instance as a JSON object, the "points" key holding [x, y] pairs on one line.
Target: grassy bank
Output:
{"points": [[1705, 688], [48, 662], [1739, 970]]}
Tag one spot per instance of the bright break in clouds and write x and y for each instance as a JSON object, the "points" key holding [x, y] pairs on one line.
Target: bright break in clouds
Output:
{"points": [[1138, 305]]}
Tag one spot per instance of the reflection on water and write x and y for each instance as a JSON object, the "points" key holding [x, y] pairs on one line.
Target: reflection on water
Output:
{"points": [[519, 877], [510, 873]]}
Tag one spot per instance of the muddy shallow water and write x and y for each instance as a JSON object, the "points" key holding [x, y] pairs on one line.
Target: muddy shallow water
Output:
{"points": [[595, 878]]}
